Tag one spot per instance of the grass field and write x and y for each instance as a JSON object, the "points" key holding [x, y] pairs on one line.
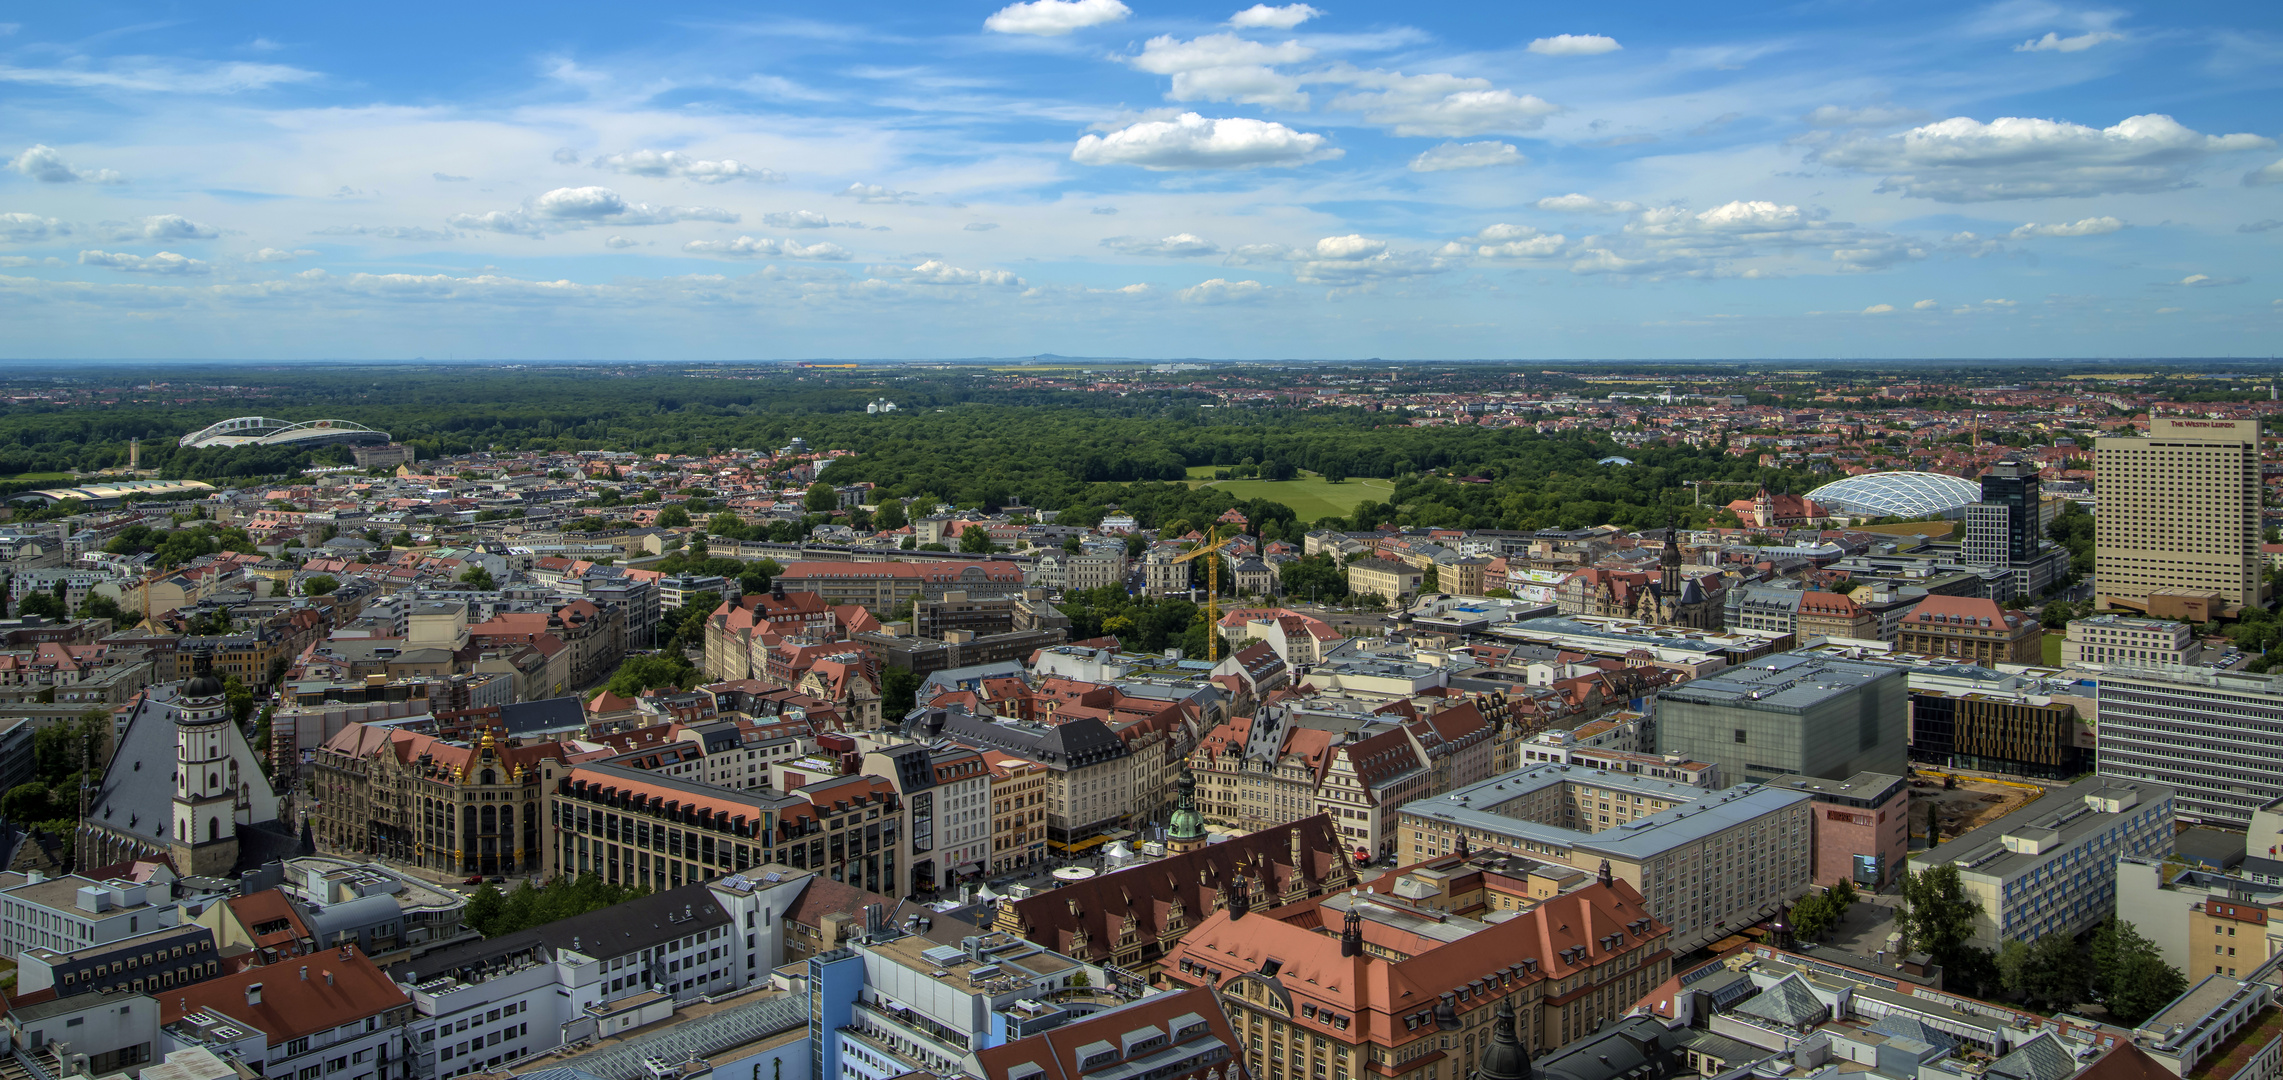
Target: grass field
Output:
{"points": [[1311, 496], [2052, 646], [35, 478]]}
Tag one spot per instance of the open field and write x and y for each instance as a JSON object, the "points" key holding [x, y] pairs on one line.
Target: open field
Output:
{"points": [[36, 478], [2051, 644], [1311, 496], [1935, 529]]}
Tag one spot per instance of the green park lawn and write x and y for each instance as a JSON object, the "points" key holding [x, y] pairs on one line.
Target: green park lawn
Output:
{"points": [[45, 478], [1311, 496]]}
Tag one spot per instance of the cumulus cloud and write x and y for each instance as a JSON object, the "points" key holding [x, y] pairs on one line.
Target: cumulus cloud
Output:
{"points": [[1575, 45], [1179, 245], [617, 242], [1879, 309], [874, 193], [1962, 160], [448, 178], [803, 219], [2053, 42], [938, 272], [673, 163], [1505, 241], [1473, 155], [1222, 291], [2263, 225], [1833, 116], [1926, 305], [1574, 203], [2270, 173], [276, 255], [1727, 240], [1191, 141], [15, 261], [1225, 67], [46, 165], [157, 227], [385, 232], [576, 208], [1878, 256], [1054, 18], [1264, 17], [2087, 227], [21, 228], [165, 262], [1441, 105], [2204, 281], [748, 247]]}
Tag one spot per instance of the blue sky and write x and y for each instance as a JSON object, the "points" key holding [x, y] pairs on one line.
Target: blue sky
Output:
{"points": [[1140, 178]]}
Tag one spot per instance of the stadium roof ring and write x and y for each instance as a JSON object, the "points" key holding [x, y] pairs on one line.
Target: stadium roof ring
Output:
{"points": [[1898, 494], [264, 431]]}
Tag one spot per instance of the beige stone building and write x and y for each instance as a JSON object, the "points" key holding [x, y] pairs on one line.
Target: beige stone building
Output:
{"points": [[2180, 514], [1384, 578]]}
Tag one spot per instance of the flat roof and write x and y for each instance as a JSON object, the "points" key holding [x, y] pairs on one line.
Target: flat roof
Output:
{"points": [[1706, 813], [1783, 681], [2055, 819]]}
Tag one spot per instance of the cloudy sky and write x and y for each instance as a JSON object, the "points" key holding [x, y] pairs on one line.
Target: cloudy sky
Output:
{"points": [[1146, 178]]}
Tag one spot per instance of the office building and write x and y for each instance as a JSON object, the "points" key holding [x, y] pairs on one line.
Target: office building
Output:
{"points": [[71, 913], [1706, 862], [882, 586], [1384, 578], [946, 792], [2050, 866], [2003, 528], [2118, 640], [440, 805], [1971, 630], [1182, 1035], [2178, 529], [2203, 922], [1862, 828], [1091, 773], [2211, 736], [1366, 984], [1968, 717], [1789, 715], [147, 963]]}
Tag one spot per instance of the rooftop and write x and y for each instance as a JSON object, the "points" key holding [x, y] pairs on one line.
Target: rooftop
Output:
{"points": [[1782, 682], [1480, 806]]}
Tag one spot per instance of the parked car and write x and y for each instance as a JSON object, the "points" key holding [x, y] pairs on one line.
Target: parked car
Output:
{"points": [[473, 879]]}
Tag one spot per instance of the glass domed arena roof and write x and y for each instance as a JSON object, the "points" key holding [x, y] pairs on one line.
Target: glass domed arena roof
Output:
{"points": [[1898, 494]]}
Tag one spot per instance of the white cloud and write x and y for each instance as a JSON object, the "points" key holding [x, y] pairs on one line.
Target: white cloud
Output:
{"points": [[1575, 45], [165, 262], [1926, 305], [2271, 173], [1473, 155], [747, 247], [276, 255], [2053, 42], [673, 163], [1054, 18], [2204, 281], [1877, 256], [21, 228], [1505, 241], [1264, 17], [564, 155], [980, 226], [1833, 116], [802, 219], [576, 208], [147, 75], [1348, 247], [579, 202], [15, 261], [157, 227], [2167, 310], [874, 193], [616, 242], [1964, 160], [1605, 261], [385, 232], [938, 272], [46, 165], [1225, 67], [1442, 105], [1103, 210], [448, 178], [1879, 309], [1179, 245], [1222, 291], [1195, 142], [2087, 227], [1574, 203]]}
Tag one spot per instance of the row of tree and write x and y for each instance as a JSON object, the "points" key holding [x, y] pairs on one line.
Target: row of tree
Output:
{"points": [[2122, 970]]}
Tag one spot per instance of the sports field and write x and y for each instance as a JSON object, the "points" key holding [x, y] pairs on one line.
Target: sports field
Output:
{"points": [[1310, 496]]}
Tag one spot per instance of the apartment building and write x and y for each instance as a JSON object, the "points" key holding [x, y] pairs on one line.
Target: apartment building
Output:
{"points": [[631, 827], [70, 913], [1091, 772], [1787, 715], [2050, 867], [1830, 615], [2118, 640], [1704, 861], [946, 791], [882, 586], [2208, 736], [1018, 811], [334, 1015], [1384, 578], [2180, 516], [146, 963], [2203, 922]]}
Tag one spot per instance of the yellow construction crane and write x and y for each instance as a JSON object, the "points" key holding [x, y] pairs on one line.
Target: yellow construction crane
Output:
{"points": [[1214, 542]]}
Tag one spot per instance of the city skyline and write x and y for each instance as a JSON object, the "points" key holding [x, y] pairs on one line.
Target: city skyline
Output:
{"points": [[1098, 178]]}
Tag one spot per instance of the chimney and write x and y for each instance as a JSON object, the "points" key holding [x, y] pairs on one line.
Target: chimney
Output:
{"points": [[253, 993], [328, 976], [304, 973]]}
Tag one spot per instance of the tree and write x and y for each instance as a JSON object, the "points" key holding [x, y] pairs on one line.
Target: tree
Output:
{"points": [[100, 606], [1812, 915], [319, 585], [673, 517], [975, 540], [2130, 974], [890, 515], [484, 910], [42, 603], [2050, 974], [821, 499], [1938, 914], [899, 691], [640, 673], [479, 578], [240, 698], [27, 803]]}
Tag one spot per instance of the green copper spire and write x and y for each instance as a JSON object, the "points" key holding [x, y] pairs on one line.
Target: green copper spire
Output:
{"points": [[1186, 823]]}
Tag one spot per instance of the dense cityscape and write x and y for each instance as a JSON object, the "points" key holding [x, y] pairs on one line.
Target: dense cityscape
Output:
{"points": [[1432, 722]]}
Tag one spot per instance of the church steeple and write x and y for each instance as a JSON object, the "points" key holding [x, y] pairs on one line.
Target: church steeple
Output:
{"points": [[206, 783], [1506, 1058], [1670, 561], [1185, 829]]}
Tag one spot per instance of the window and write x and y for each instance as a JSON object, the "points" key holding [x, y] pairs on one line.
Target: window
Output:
{"points": [[1739, 734]]}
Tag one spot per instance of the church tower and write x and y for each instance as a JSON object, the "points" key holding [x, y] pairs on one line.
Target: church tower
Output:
{"points": [[1670, 561], [205, 836], [1185, 829], [1505, 1058]]}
